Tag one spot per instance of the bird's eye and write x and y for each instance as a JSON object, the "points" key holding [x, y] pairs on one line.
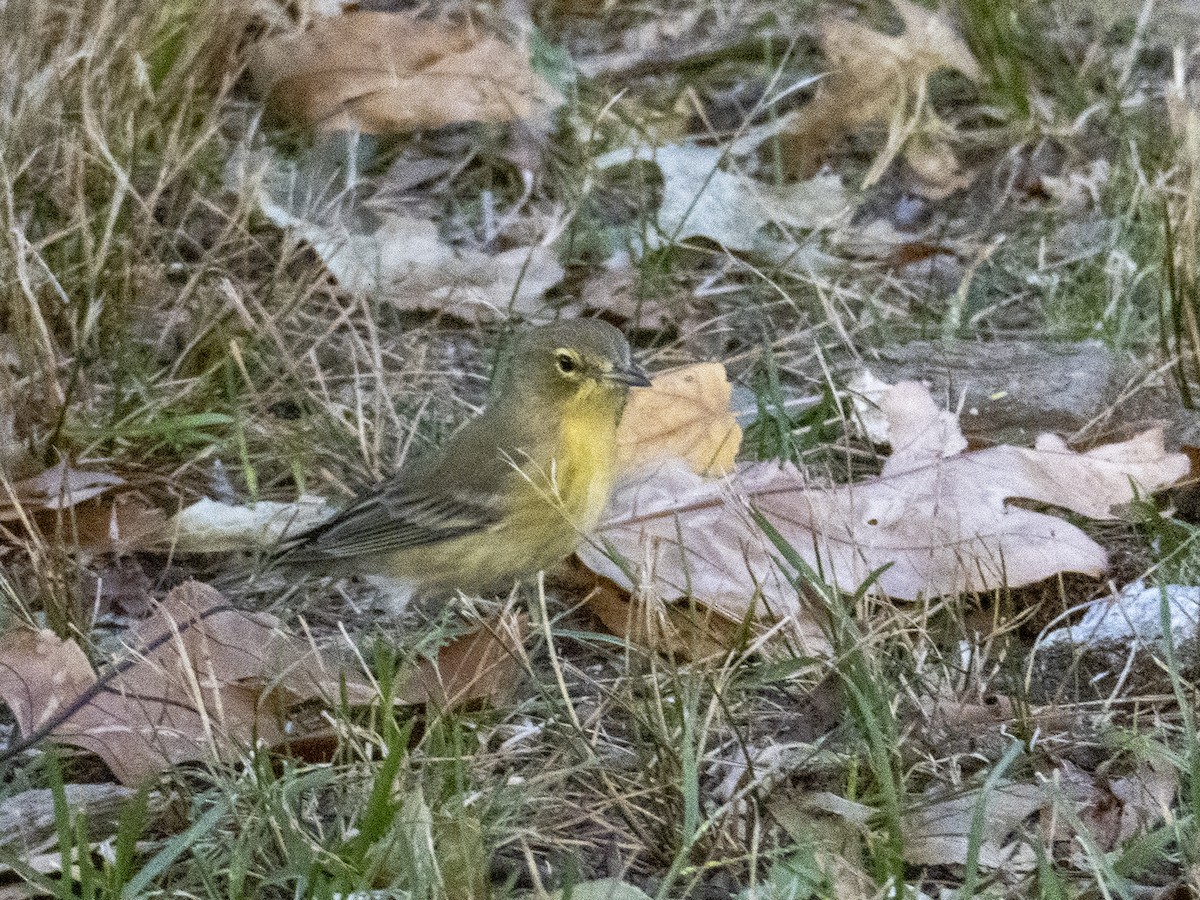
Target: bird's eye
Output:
{"points": [[567, 363]]}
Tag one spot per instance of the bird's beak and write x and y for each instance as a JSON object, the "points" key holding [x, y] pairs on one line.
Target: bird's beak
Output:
{"points": [[632, 375]]}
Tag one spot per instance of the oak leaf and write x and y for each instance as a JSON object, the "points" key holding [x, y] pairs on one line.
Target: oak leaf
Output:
{"points": [[220, 681], [937, 520], [685, 414], [880, 78], [481, 664], [385, 72]]}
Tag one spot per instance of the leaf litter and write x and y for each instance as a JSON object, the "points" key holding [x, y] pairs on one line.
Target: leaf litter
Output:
{"points": [[205, 681], [400, 258], [937, 520], [382, 72], [703, 199], [371, 74], [220, 682], [876, 78]]}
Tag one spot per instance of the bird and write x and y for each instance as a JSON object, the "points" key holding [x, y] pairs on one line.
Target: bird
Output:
{"points": [[512, 492]]}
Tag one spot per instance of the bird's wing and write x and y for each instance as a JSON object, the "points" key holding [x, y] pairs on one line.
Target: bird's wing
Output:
{"points": [[395, 519]]}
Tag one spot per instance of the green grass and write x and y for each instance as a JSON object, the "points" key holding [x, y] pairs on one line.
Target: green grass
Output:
{"points": [[153, 320]]}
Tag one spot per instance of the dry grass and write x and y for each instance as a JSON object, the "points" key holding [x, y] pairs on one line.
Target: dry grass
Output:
{"points": [[152, 319]]}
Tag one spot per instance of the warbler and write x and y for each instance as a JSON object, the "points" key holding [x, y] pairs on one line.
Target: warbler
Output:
{"points": [[513, 491]]}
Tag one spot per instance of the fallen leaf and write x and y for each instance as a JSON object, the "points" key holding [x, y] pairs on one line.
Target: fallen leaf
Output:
{"points": [[601, 889], [938, 832], [483, 664], [936, 521], [701, 199], [1133, 617], [1111, 810], [57, 488], [685, 537], [93, 512], [690, 632], [122, 585], [1145, 797], [614, 291], [29, 823], [684, 414], [399, 258], [384, 72], [866, 397], [221, 681], [120, 524], [209, 526], [880, 78]]}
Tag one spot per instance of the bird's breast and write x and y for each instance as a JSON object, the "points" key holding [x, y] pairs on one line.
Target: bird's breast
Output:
{"points": [[584, 460]]}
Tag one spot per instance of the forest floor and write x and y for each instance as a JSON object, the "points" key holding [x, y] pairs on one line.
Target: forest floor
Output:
{"points": [[850, 627]]}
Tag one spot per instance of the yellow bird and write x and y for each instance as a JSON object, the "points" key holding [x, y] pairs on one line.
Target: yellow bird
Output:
{"points": [[513, 491]]}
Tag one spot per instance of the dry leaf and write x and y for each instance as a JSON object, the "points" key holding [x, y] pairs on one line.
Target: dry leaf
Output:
{"points": [[701, 199], [601, 889], [219, 683], [690, 632], [939, 832], [402, 259], [878, 78], [1112, 810], [120, 524], [29, 824], [937, 520], [866, 396], [385, 72], [59, 487], [1133, 617], [85, 510], [613, 291], [483, 664], [122, 585], [209, 526], [683, 414]]}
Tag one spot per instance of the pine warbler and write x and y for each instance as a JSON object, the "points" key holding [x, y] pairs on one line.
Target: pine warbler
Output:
{"points": [[513, 491]]}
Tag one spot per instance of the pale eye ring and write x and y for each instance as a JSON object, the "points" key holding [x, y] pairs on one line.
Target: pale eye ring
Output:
{"points": [[567, 363]]}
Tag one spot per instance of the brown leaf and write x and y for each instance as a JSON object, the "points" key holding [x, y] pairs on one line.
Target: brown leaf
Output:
{"points": [[692, 632], [120, 524], [59, 487], [220, 682], [122, 585], [482, 664], [874, 78], [386, 72], [936, 521], [614, 291], [406, 261], [685, 414]]}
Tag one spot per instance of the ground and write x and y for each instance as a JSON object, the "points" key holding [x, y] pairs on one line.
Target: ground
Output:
{"points": [[244, 263]]}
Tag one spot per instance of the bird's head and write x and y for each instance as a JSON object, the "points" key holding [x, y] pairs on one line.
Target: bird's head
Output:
{"points": [[579, 358]]}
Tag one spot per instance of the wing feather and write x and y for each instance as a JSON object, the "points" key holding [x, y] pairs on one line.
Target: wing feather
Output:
{"points": [[395, 520]]}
